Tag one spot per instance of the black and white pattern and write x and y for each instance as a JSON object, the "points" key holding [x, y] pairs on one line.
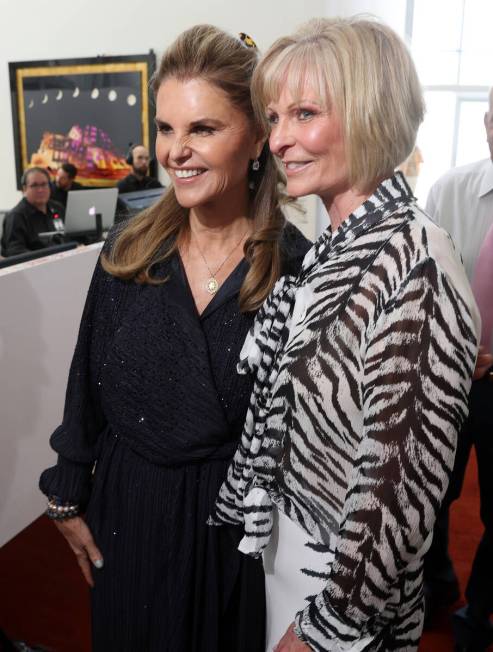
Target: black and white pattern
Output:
{"points": [[296, 569], [362, 368]]}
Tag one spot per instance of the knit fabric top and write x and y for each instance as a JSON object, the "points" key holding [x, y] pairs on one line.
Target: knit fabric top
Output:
{"points": [[160, 377]]}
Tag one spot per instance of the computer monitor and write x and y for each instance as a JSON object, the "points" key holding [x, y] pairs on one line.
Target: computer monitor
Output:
{"points": [[83, 206], [140, 199]]}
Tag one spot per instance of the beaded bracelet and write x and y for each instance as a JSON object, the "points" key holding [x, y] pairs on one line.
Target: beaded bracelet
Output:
{"points": [[60, 510]]}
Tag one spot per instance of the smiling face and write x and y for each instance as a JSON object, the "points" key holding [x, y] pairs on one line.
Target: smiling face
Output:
{"points": [[204, 142], [309, 141]]}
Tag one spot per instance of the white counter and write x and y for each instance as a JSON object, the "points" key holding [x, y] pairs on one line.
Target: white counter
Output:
{"points": [[41, 303]]}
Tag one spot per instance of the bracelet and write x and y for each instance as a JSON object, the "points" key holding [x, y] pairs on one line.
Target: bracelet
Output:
{"points": [[60, 510]]}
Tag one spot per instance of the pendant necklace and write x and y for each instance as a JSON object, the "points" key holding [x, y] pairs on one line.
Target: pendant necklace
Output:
{"points": [[212, 284]]}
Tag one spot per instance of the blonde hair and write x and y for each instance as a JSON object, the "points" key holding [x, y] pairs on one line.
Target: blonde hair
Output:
{"points": [[206, 52], [362, 70]]}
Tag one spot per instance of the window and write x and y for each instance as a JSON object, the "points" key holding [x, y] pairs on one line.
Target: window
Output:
{"points": [[452, 46]]}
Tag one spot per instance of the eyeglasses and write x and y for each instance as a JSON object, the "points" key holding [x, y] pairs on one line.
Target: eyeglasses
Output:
{"points": [[45, 184]]}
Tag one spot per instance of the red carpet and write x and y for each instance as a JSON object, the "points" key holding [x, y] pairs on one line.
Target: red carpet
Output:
{"points": [[44, 600], [465, 532]]}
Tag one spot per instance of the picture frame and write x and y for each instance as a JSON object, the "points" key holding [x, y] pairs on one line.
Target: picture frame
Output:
{"points": [[86, 111]]}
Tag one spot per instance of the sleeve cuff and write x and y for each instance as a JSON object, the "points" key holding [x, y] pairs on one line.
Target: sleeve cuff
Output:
{"points": [[70, 481], [327, 632]]}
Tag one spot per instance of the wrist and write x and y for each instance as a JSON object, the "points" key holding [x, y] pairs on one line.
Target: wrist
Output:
{"points": [[61, 510]]}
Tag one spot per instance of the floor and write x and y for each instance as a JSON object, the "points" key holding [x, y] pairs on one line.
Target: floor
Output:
{"points": [[44, 600]]}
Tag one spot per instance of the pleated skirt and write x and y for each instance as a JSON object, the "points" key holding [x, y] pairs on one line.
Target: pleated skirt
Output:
{"points": [[170, 582]]}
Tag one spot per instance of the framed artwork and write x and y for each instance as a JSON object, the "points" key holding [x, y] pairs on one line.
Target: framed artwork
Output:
{"points": [[81, 111]]}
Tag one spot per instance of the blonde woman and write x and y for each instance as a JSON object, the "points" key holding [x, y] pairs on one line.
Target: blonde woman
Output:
{"points": [[154, 407], [363, 361]]}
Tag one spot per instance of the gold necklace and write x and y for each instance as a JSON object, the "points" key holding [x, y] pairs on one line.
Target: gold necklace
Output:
{"points": [[212, 284]]}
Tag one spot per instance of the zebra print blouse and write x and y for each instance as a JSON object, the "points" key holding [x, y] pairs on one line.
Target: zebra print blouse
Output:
{"points": [[362, 367]]}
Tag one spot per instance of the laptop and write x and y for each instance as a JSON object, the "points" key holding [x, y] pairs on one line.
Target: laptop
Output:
{"points": [[80, 214]]}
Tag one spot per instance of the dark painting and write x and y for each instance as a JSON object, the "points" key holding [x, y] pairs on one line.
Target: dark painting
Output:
{"points": [[86, 113]]}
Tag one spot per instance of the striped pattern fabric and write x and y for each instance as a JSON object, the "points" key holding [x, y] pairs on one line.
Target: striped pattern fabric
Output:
{"points": [[362, 368]]}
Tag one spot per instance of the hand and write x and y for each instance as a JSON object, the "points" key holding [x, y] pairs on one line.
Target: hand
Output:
{"points": [[79, 538], [291, 643], [483, 363]]}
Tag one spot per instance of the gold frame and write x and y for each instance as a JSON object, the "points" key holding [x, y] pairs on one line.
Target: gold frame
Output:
{"points": [[20, 71]]}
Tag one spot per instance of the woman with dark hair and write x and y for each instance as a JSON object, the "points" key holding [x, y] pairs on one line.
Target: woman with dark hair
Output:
{"points": [[363, 360], [154, 407]]}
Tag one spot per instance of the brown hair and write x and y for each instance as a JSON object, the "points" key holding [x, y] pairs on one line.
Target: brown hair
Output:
{"points": [[362, 70], [208, 53]]}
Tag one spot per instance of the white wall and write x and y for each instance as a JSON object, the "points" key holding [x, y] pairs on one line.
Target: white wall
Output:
{"points": [[37, 29], [41, 308], [393, 12]]}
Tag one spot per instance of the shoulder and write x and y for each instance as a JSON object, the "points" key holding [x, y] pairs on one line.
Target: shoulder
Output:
{"points": [[412, 239], [294, 246], [434, 238], [434, 249], [114, 233], [422, 234], [103, 281], [123, 182], [19, 210], [152, 182], [460, 176]]}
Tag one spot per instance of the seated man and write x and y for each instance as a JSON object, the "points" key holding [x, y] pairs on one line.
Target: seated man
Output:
{"points": [[34, 214], [138, 158], [64, 181]]}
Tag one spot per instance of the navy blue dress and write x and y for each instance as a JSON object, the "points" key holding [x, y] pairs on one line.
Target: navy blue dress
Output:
{"points": [[154, 411]]}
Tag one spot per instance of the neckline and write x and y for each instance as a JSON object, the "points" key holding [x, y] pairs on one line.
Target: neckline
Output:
{"points": [[34, 209], [230, 286], [388, 196]]}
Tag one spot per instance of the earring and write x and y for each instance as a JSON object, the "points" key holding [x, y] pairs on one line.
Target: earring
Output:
{"points": [[256, 165]]}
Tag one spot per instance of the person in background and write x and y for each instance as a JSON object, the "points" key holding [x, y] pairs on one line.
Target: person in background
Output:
{"points": [[36, 213], [138, 179], [64, 182], [462, 203], [482, 286], [154, 402], [362, 362], [410, 168]]}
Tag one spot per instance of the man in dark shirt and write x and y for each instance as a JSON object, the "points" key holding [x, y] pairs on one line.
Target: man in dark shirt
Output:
{"points": [[64, 181], [138, 158], [34, 214]]}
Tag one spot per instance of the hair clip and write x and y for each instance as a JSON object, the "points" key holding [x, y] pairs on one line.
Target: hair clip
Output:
{"points": [[247, 40]]}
